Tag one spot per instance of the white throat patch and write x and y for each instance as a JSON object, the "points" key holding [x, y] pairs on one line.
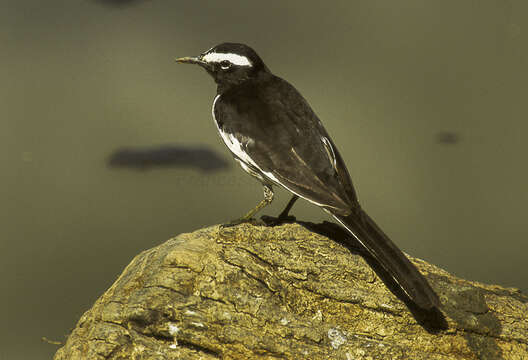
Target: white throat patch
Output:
{"points": [[232, 58]]}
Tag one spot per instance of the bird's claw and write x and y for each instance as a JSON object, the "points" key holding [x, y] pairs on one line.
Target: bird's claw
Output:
{"points": [[243, 220], [276, 221]]}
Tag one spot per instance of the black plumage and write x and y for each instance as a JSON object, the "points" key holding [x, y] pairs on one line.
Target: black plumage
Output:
{"points": [[282, 135], [275, 136]]}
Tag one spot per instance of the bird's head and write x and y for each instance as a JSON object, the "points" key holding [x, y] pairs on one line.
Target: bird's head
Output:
{"points": [[229, 63]]}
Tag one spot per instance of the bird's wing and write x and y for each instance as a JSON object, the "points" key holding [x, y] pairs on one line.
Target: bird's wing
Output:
{"points": [[281, 137]]}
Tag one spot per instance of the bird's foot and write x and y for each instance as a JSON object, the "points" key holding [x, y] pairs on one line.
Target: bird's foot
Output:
{"points": [[276, 221], [243, 220]]}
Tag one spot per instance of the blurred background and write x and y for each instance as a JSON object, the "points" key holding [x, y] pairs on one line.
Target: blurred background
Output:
{"points": [[425, 100]]}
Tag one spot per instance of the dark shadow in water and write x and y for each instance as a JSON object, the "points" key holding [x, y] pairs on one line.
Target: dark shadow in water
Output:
{"points": [[118, 3], [431, 320], [195, 157], [447, 138]]}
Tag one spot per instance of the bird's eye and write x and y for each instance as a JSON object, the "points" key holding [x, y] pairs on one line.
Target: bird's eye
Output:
{"points": [[225, 64]]}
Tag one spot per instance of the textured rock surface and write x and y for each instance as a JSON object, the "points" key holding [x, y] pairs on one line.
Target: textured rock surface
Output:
{"points": [[287, 293]]}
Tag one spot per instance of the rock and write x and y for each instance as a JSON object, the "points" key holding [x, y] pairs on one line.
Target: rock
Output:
{"points": [[286, 292]]}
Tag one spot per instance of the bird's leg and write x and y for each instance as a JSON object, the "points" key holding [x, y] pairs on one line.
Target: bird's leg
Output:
{"points": [[283, 216], [268, 198]]}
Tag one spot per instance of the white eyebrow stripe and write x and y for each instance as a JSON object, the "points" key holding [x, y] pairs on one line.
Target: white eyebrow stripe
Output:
{"points": [[232, 58]]}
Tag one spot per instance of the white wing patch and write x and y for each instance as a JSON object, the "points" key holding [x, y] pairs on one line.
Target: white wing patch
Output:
{"points": [[235, 59], [330, 151], [234, 145]]}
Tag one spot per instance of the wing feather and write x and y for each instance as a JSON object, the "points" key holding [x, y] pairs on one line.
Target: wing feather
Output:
{"points": [[286, 141]]}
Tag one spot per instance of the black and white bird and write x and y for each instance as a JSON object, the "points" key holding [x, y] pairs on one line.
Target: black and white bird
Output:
{"points": [[275, 136]]}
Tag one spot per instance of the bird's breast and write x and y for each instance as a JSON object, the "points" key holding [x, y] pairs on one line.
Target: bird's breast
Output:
{"points": [[236, 143]]}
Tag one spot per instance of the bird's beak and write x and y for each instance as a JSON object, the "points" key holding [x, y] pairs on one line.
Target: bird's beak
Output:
{"points": [[190, 60]]}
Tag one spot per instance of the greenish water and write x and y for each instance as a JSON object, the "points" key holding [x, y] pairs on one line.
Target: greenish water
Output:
{"points": [[81, 79]]}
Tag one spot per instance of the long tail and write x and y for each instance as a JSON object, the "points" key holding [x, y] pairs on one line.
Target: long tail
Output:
{"points": [[414, 284]]}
